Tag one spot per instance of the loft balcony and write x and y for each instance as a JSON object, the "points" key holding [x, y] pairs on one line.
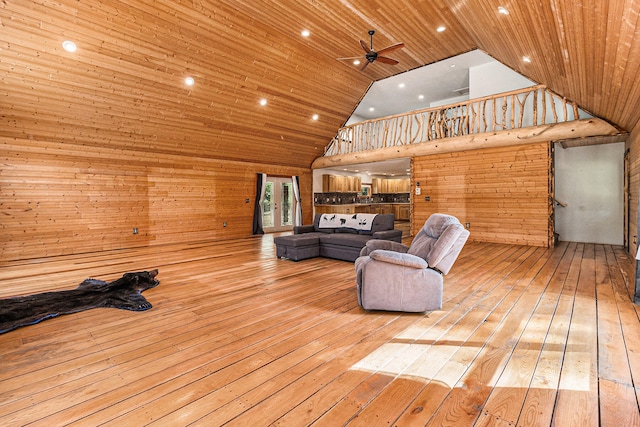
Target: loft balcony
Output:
{"points": [[524, 116]]}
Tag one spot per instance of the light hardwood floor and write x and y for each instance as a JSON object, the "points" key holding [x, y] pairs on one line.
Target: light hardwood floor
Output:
{"points": [[527, 337]]}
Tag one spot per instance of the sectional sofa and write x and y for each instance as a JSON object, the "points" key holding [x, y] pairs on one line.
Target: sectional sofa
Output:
{"points": [[336, 236]]}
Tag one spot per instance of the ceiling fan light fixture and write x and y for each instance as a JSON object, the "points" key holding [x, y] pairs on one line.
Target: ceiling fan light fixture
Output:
{"points": [[305, 33], [370, 55], [441, 29]]}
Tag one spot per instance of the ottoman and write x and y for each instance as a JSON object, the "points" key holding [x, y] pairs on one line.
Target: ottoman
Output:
{"points": [[297, 246]]}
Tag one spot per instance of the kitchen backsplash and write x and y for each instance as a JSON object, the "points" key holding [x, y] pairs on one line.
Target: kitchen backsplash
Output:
{"points": [[350, 198]]}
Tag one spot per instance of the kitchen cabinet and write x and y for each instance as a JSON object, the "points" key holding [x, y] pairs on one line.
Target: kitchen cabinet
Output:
{"points": [[341, 184], [353, 184], [386, 209], [381, 208], [390, 185], [328, 182], [384, 186], [401, 211], [375, 185]]}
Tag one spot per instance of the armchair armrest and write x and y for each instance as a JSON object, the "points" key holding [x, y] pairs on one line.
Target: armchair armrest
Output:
{"points": [[395, 235], [402, 259], [300, 229], [389, 245]]}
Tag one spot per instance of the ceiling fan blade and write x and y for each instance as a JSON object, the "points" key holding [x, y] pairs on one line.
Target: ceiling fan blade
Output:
{"points": [[364, 66], [364, 46], [350, 58], [391, 48], [386, 60]]}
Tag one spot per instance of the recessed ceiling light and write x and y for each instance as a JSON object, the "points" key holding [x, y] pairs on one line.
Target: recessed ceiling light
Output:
{"points": [[263, 102], [356, 62], [305, 33], [420, 97], [69, 46], [189, 81], [371, 109], [452, 65], [315, 117], [401, 85], [503, 10], [441, 29], [526, 59]]}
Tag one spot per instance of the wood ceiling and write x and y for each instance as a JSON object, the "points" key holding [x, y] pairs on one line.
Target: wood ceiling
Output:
{"points": [[124, 86]]}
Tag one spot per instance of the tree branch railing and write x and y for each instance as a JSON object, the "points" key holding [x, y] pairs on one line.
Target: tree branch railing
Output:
{"points": [[533, 106]]}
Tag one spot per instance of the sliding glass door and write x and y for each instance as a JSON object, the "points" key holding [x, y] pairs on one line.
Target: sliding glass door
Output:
{"points": [[278, 205]]}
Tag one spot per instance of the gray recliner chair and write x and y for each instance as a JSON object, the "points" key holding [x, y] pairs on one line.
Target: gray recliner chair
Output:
{"points": [[394, 277]]}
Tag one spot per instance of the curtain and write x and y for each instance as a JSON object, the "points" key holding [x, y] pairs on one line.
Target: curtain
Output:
{"points": [[297, 215], [261, 184]]}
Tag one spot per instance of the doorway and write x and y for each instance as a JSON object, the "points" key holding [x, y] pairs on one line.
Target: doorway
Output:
{"points": [[278, 205], [589, 182]]}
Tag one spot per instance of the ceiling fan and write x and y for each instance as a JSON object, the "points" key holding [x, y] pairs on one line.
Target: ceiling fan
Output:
{"points": [[372, 56]]}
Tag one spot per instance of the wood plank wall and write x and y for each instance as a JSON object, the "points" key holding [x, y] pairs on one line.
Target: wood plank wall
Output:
{"points": [[60, 199], [502, 192]]}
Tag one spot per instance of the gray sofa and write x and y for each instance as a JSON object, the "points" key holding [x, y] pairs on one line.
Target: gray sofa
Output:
{"points": [[339, 242]]}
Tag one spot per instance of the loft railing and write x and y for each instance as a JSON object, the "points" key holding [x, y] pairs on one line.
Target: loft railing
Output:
{"points": [[517, 109]]}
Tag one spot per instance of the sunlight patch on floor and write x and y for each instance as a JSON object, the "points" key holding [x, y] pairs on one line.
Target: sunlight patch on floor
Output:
{"points": [[450, 365]]}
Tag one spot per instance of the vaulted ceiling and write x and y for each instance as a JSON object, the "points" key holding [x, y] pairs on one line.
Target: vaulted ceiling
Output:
{"points": [[124, 86]]}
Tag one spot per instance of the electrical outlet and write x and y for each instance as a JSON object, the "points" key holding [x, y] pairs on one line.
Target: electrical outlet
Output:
{"points": [[427, 198], [224, 224], [467, 224], [135, 230]]}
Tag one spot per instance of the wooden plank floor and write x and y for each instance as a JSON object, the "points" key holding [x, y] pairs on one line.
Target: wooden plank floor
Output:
{"points": [[526, 337]]}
